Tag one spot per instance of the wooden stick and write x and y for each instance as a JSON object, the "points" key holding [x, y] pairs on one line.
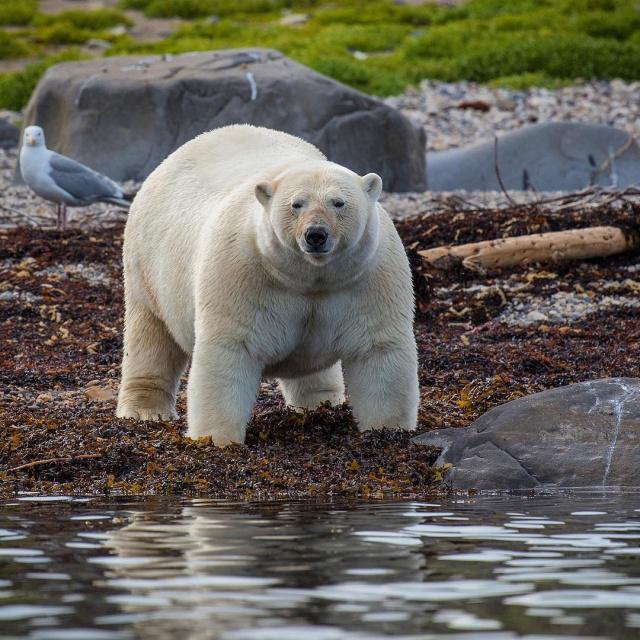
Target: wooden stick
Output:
{"points": [[35, 463], [575, 244]]}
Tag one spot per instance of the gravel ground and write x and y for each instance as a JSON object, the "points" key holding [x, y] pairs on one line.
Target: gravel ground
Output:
{"points": [[459, 114]]}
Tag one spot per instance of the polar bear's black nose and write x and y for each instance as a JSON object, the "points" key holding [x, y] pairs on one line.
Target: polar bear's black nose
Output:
{"points": [[316, 237]]}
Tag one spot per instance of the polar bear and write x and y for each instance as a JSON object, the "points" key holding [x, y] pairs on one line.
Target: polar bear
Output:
{"points": [[250, 252]]}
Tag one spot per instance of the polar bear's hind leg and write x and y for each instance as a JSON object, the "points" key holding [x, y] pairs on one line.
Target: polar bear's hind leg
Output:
{"points": [[311, 391], [151, 367]]}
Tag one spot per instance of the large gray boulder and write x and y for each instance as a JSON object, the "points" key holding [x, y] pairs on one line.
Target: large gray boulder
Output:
{"points": [[554, 156], [581, 435], [123, 116]]}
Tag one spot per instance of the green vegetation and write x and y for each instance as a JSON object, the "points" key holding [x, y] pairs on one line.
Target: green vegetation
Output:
{"points": [[189, 9], [377, 46], [16, 88], [90, 20], [17, 12], [11, 47]]}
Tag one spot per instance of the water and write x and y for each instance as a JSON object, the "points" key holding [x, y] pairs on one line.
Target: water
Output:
{"points": [[490, 567]]}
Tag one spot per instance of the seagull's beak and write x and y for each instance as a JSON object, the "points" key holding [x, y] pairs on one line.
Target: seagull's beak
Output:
{"points": [[31, 141]]}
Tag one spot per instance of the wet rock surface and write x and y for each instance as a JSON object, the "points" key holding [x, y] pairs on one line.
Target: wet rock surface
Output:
{"points": [[581, 435], [123, 115]]}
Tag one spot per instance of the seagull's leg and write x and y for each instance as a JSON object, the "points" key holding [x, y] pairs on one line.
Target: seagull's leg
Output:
{"points": [[58, 216], [64, 215]]}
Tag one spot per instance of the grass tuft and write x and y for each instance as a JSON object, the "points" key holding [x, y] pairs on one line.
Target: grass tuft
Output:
{"points": [[17, 12]]}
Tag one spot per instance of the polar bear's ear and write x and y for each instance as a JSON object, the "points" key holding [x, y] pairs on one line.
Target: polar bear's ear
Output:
{"points": [[372, 185], [264, 193]]}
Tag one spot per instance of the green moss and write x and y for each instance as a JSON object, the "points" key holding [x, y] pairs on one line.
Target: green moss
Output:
{"points": [[200, 8], [16, 88], [523, 81], [17, 12], [11, 47], [516, 43], [96, 20], [568, 56], [63, 33], [74, 27]]}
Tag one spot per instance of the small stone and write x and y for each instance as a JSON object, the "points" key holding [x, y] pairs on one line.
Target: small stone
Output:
{"points": [[96, 43], [294, 19], [536, 316], [118, 30], [100, 394]]}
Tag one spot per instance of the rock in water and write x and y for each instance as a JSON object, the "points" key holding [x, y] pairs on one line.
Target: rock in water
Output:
{"points": [[581, 435], [123, 116], [554, 156]]}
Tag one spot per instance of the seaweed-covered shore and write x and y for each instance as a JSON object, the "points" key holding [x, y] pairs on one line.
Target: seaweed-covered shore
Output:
{"points": [[483, 339]]}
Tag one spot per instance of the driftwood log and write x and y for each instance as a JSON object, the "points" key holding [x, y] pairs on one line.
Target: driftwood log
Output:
{"points": [[575, 244]]}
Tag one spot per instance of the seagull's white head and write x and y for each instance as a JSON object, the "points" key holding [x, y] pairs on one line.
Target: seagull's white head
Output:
{"points": [[33, 136]]}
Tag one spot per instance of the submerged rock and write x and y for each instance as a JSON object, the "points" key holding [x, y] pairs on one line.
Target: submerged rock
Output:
{"points": [[123, 115], [581, 435], [554, 156]]}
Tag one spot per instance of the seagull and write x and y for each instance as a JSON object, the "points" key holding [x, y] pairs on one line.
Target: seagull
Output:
{"points": [[62, 180]]}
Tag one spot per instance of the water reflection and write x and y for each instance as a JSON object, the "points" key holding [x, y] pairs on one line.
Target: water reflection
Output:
{"points": [[488, 567]]}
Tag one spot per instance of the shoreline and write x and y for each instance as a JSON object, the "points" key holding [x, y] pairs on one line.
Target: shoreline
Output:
{"points": [[483, 340]]}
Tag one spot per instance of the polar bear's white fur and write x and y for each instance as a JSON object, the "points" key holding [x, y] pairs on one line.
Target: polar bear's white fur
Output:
{"points": [[249, 251]]}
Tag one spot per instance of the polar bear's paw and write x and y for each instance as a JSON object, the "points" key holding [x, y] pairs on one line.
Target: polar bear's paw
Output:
{"points": [[145, 401], [153, 414]]}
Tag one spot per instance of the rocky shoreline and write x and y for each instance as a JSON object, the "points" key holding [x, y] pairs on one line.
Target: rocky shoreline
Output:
{"points": [[479, 347]]}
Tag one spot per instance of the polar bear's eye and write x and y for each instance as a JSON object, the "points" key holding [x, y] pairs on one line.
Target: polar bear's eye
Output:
{"points": [[338, 204], [297, 205]]}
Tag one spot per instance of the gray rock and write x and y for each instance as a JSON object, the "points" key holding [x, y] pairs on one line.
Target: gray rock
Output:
{"points": [[554, 156], [581, 435], [9, 134], [123, 116]]}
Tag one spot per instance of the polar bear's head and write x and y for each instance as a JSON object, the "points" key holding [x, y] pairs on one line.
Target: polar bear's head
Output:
{"points": [[320, 211]]}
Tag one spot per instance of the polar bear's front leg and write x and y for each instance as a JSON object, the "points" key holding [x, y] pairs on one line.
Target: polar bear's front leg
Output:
{"points": [[383, 388], [223, 385], [311, 391], [151, 367]]}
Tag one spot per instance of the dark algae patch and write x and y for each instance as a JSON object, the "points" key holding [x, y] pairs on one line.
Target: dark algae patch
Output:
{"points": [[483, 339]]}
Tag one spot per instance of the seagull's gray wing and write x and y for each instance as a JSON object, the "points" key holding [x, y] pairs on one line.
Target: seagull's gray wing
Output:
{"points": [[81, 182]]}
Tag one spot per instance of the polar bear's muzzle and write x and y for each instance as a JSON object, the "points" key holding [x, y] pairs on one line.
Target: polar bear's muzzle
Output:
{"points": [[316, 239]]}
